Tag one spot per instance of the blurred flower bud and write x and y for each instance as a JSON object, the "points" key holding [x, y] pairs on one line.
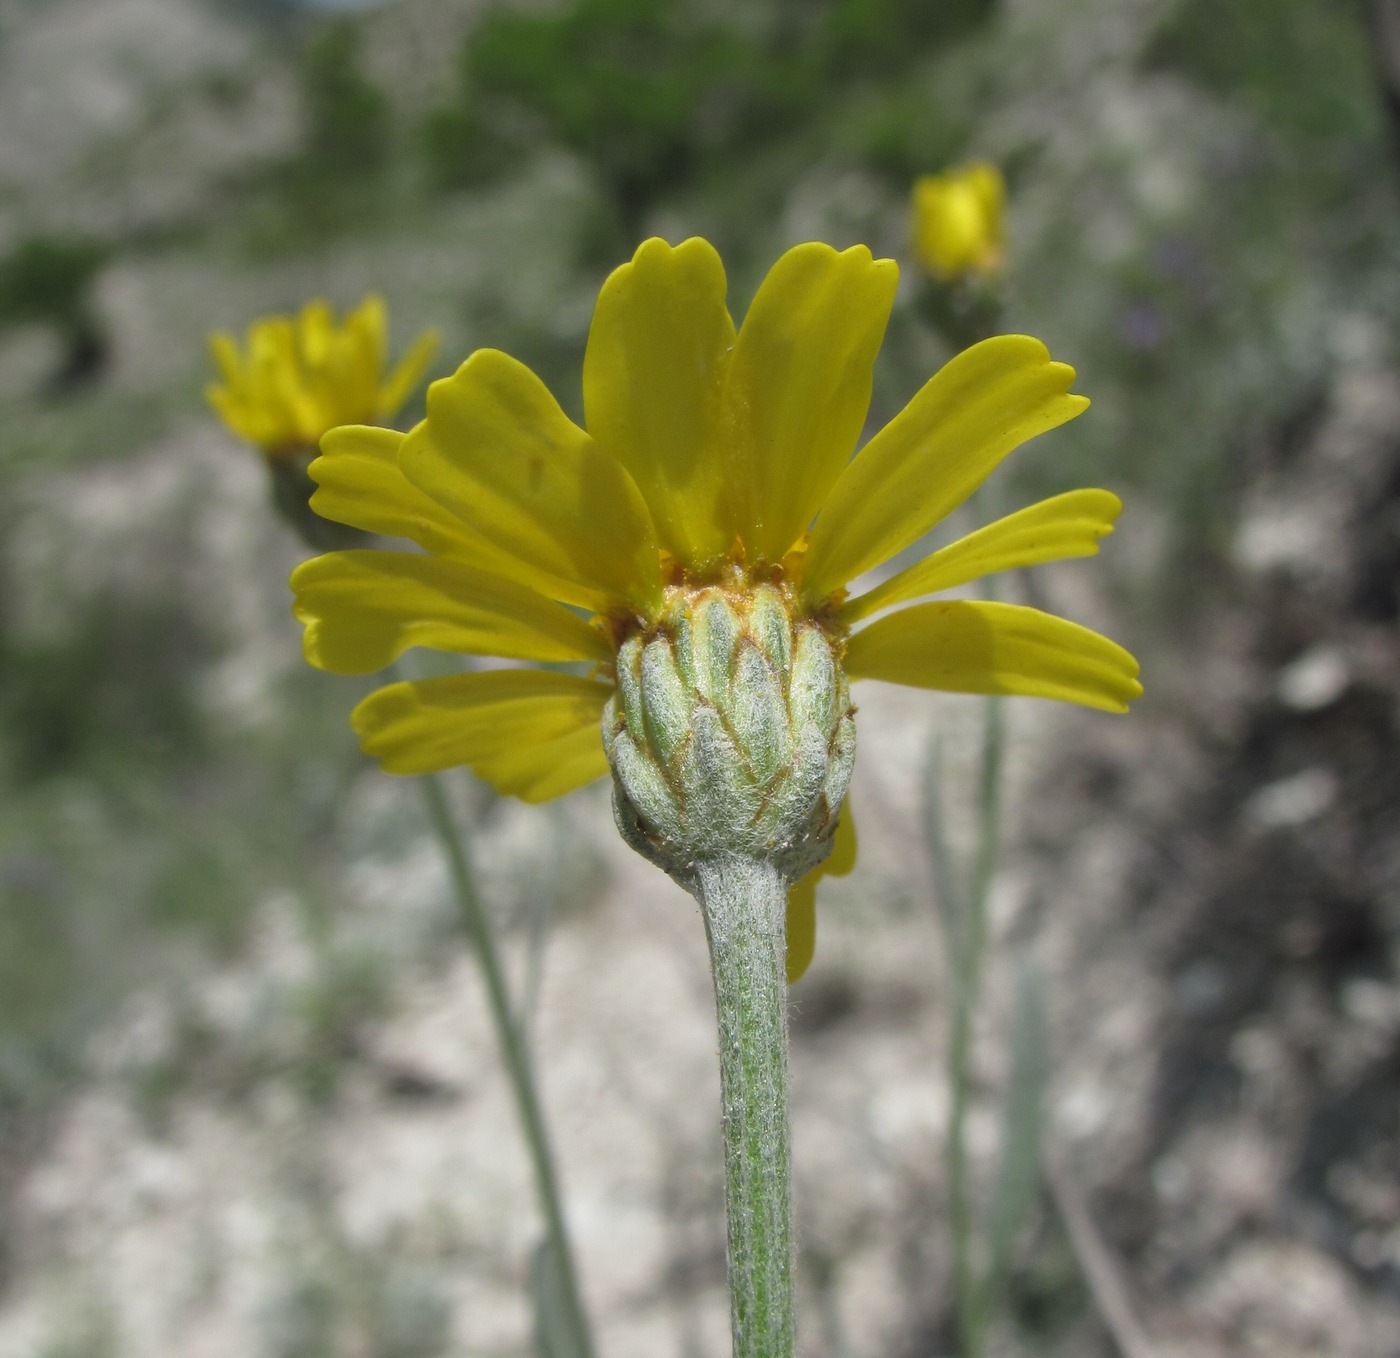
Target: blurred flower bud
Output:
{"points": [[959, 222]]}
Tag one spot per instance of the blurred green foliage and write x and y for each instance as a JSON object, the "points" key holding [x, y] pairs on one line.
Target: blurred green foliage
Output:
{"points": [[1303, 64], [47, 280], [1215, 329], [884, 37], [335, 179], [654, 96], [627, 84], [113, 691], [348, 116]]}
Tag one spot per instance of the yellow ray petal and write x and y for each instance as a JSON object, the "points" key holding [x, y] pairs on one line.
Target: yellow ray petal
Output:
{"points": [[363, 609], [995, 648], [935, 453], [224, 349], [844, 846], [801, 925], [539, 773], [355, 360], [368, 324], [497, 451], [1063, 526], [399, 385], [315, 330], [235, 412], [484, 720], [802, 896], [798, 387], [359, 483], [652, 380]]}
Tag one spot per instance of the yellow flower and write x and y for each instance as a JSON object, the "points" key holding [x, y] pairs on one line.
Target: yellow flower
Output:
{"points": [[303, 375], [709, 456], [959, 221]]}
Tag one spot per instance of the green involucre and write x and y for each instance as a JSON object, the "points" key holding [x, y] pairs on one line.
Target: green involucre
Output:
{"points": [[730, 734]]}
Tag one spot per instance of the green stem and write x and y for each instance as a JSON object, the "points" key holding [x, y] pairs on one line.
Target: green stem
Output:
{"points": [[971, 1311], [744, 902], [517, 1060]]}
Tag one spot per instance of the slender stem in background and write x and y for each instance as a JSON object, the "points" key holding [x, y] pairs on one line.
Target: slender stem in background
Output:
{"points": [[1100, 1267], [967, 987], [542, 903], [515, 1051], [965, 316], [744, 903]]}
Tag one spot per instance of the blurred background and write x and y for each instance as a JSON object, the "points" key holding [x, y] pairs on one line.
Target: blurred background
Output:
{"points": [[249, 1097]]}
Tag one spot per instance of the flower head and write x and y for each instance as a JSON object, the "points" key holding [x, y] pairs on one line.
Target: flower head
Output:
{"points": [[959, 221], [299, 376], [694, 545]]}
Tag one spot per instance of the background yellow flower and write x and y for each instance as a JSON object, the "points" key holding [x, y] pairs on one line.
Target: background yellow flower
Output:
{"points": [[297, 376], [959, 221]]}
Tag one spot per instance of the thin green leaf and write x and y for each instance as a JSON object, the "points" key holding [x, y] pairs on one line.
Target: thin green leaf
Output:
{"points": [[948, 891], [549, 1303], [1018, 1172]]}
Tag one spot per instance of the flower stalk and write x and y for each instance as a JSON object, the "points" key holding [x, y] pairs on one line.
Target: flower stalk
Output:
{"points": [[744, 901], [969, 964], [731, 739], [519, 1069]]}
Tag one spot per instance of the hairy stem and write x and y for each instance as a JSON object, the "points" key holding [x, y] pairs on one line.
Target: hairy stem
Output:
{"points": [[744, 902], [515, 1051]]}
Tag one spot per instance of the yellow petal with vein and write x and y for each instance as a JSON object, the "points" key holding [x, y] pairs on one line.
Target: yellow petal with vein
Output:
{"points": [[652, 381], [497, 450], [359, 483], [798, 387], [488, 721], [1064, 526], [363, 609], [539, 773], [923, 464], [995, 648]]}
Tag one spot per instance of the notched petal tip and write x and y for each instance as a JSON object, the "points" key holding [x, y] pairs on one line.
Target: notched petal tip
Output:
{"points": [[798, 388], [479, 362], [314, 652], [816, 253], [1131, 691], [657, 248], [345, 439]]}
